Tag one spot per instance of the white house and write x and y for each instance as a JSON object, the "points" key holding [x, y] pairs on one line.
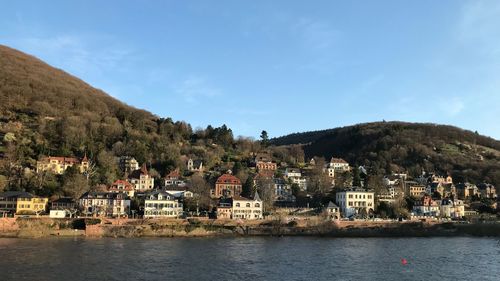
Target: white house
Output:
{"points": [[248, 209], [161, 204], [355, 201]]}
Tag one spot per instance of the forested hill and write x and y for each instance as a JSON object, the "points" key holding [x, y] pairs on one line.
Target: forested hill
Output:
{"points": [[46, 111], [413, 147]]}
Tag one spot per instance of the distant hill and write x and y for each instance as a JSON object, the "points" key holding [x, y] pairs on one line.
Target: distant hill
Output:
{"points": [[46, 111], [400, 146]]}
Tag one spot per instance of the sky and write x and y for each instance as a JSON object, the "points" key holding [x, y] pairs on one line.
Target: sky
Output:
{"points": [[280, 66]]}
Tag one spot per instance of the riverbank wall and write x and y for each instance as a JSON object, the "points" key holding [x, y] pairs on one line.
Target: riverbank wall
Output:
{"points": [[92, 227]]}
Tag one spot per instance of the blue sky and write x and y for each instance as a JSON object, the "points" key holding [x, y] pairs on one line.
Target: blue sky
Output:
{"points": [[282, 66]]}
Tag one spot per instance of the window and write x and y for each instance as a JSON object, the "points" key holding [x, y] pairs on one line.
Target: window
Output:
{"points": [[237, 204], [257, 205], [248, 205]]}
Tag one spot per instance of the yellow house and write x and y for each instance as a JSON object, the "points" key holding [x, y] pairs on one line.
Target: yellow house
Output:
{"points": [[20, 202], [58, 165]]}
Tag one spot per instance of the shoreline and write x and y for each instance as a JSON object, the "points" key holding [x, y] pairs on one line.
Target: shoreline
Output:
{"points": [[172, 228]]}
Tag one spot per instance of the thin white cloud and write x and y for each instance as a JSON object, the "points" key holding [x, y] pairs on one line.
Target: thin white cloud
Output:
{"points": [[195, 88], [76, 54], [315, 34]]}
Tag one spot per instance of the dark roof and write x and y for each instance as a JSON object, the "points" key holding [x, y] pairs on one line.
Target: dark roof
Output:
{"points": [[331, 205], [17, 194], [64, 200], [103, 195]]}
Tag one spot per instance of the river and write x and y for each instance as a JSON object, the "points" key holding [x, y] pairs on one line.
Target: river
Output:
{"points": [[250, 258]]}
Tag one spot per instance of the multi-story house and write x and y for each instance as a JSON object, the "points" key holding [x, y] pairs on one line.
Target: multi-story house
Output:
{"points": [[122, 186], [452, 208], [282, 191], [58, 165], [239, 207], [333, 210], [426, 207], [174, 179], [467, 190], [141, 179], [107, 204], [266, 166], [337, 165], [128, 164], [487, 190], [194, 165], [226, 185], [417, 190], [355, 201], [63, 203], [20, 202], [161, 204], [292, 173]]}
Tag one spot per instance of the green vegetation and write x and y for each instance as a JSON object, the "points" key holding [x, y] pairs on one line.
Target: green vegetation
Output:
{"points": [[385, 147]]}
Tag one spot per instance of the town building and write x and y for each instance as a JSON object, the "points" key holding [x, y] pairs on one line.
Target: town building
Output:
{"points": [[194, 165], [106, 204], [58, 165], [487, 190], [292, 173], [122, 186], [426, 207], [141, 179], [128, 164], [63, 203], [452, 208], [467, 190], [282, 191], [355, 201], [22, 203], [337, 165], [417, 190], [333, 210], [174, 179], [247, 209], [226, 185], [161, 204], [266, 166]]}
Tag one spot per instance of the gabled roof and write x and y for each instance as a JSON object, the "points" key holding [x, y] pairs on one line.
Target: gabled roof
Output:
{"points": [[338, 160], [137, 173], [228, 179], [331, 205], [175, 174], [128, 186]]}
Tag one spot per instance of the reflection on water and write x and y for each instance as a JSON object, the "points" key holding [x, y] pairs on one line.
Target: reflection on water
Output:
{"points": [[293, 258]]}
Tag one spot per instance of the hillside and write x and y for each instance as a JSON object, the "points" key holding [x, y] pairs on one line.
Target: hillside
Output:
{"points": [[412, 147], [46, 111]]}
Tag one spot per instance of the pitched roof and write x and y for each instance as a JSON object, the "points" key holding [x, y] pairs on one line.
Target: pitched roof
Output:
{"points": [[175, 174], [128, 186], [68, 160], [331, 205], [17, 194], [338, 160], [228, 179]]}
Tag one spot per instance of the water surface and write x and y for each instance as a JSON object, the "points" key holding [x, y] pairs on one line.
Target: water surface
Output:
{"points": [[266, 258]]}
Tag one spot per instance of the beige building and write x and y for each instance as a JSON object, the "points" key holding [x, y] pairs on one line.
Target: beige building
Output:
{"points": [[141, 179], [239, 207], [417, 191], [106, 204], [58, 165], [161, 204], [355, 201]]}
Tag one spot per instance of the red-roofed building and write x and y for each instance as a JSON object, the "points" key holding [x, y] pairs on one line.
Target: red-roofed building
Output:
{"points": [[227, 186], [122, 186], [141, 179], [58, 165]]}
